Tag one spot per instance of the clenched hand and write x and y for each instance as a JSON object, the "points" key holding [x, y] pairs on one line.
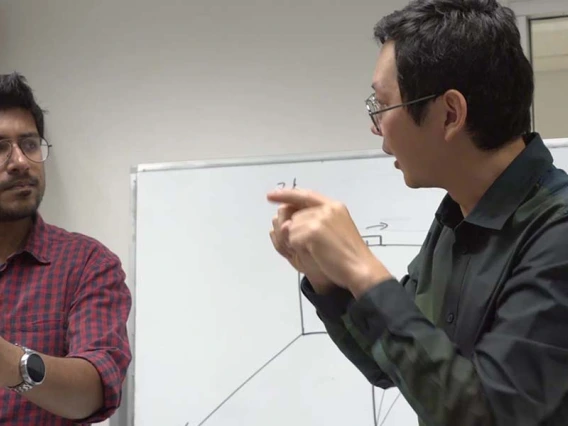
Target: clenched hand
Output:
{"points": [[318, 236]]}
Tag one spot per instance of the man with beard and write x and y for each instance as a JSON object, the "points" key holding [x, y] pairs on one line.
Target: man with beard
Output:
{"points": [[64, 349]]}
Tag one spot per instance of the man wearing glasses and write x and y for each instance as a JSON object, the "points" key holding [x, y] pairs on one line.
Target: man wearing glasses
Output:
{"points": [[64, 349], [476, 332]]}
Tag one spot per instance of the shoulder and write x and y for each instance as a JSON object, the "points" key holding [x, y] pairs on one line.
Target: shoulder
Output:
{"points": [[77, 245], [542, 220], [551, 194]]}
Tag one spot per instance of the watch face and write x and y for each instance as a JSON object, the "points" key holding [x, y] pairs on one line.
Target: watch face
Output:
{"points": [[36, 368]]}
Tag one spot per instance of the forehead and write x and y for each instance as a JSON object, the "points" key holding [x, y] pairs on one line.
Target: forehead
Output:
{"points": [[385, 79], [16, 121]]}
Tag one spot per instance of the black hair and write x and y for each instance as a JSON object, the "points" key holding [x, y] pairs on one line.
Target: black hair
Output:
{"points": [[16, 93], [473, 46]]}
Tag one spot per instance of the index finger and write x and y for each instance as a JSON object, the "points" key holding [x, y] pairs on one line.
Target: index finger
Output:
{"points": [[299, 198]]}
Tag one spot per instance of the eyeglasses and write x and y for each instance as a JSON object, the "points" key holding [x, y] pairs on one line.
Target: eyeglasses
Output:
{"points": [[375, 108], [36, 149]]}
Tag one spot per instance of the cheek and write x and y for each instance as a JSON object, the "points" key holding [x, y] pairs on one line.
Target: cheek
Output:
{"points": [[39, 172], [392, 133], [394, 123], [402, 138]]}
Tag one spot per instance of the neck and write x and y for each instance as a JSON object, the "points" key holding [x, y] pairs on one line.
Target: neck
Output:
{"points": [[13, 237], [477, 171]]}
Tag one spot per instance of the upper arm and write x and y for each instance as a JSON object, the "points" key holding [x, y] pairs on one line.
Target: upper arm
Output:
{"points": [[97, 324]]}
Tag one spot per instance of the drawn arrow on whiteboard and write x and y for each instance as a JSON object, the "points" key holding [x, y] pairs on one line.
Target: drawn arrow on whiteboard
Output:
{"points": [[381, 226]]}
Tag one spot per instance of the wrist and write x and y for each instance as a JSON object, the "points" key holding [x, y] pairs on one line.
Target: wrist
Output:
{"points": [[10, 356], [321, 285], [369, 276]]}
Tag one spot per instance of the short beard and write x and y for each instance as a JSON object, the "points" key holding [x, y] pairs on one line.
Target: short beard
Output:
{"points": [[13, 215]]}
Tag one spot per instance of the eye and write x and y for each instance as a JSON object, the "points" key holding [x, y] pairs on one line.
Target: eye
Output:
{"points": [[30, 144], [4, 146]]}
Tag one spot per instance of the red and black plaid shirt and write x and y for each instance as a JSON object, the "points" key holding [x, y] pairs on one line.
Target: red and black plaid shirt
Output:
{"points": [[65, 295]]}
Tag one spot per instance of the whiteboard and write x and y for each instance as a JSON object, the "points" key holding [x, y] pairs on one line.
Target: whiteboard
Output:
{"points": [[222, 334]]}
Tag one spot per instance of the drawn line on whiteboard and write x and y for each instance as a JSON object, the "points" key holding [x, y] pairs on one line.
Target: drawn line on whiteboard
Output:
{"points": [[381, 226], [380, 408], [247, 381], [314, 333], [375, 415], [303, 329], [385, 223], [390, 408], [376, 240]]}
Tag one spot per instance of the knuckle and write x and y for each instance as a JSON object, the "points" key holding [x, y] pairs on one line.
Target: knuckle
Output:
{"points": [[315, 227], [295, 243], [337, 206]]}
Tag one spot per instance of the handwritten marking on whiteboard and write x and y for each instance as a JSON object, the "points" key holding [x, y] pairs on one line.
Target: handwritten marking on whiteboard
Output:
{"points": [[282, 185], [381, 226], [373, 240]]}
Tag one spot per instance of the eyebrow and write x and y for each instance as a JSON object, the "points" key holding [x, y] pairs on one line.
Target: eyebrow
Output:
{"points": [[21, 135]]}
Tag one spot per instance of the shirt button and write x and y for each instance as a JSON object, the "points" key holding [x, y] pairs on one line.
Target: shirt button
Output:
{"points": [[450, 318]]}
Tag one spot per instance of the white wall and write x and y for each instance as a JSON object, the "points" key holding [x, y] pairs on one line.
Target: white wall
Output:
{"points": [[551, 92], [136, 81]]}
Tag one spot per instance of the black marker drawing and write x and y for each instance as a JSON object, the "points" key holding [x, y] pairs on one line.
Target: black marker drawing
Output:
{"points": [[282, 185], [376, 240], [380, 226], [373, 239]]}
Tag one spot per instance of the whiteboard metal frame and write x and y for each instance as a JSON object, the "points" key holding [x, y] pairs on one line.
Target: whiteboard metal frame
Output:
{"points": [[253, 161], [125, 415]]}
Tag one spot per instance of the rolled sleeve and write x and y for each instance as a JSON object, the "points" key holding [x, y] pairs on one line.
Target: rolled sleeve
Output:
{"points": [[97, 326]]}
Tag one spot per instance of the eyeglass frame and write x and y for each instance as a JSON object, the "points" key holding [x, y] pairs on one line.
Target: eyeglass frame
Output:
{"points": [[18, 142], [372, 114]]}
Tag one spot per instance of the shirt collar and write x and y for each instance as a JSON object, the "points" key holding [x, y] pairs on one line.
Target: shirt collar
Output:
{"points": [[38, 241], [508, 191]]}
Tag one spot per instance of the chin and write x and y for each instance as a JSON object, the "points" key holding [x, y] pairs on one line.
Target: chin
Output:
{"points": [[16, 213], [410, 182]]}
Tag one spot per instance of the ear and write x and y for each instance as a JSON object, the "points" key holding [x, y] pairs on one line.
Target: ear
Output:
{"points": [[456, 113]]}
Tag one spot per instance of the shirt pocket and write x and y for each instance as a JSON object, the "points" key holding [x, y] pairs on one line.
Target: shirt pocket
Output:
{"points": [[43, 332]]}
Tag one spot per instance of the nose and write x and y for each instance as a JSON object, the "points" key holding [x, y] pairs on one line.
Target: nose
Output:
{"points": [[375, 130], [17, 162]]}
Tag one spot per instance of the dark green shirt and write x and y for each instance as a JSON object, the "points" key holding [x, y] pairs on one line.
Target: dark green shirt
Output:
{"points": [[477, 332]]}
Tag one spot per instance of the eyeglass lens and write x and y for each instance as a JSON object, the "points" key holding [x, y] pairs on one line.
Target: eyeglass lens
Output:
{"points": [[34, 148]]}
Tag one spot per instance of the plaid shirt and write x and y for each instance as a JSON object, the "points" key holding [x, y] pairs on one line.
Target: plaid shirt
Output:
{"points": [[65, 295]]}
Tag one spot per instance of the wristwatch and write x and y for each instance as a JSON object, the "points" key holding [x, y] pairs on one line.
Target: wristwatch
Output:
{"points": [[32, 369]]}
